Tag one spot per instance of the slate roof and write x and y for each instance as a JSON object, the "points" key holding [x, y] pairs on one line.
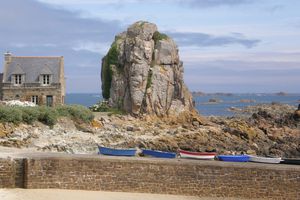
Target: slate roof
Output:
{"points": [[18, 70], [33, 67], [46, 70]]}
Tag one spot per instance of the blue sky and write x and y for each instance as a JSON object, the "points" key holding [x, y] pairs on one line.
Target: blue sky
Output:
{"points": [[226, 45]]}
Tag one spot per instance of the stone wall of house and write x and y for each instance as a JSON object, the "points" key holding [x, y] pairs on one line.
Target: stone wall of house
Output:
{"points": [[184, 177], [25, 94]]}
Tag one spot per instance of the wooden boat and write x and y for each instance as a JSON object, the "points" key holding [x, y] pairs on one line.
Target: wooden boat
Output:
{"points": [[158, 154], [116, 152], [259, 159], [197, 155], [291, 161], [234, 158]]}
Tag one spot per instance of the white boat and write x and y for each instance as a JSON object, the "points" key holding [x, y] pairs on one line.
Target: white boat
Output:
{"points": [[197, 155], [259, 159]]}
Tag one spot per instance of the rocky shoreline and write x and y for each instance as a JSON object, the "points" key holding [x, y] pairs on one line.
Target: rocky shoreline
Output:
{"points": [[268, 130]]}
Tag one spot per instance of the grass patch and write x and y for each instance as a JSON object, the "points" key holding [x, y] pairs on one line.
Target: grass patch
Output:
{"points": [[46, 115], [116, 111], [159, 36], [77, 113], [104, 107], [10, 114], [29, 114]]}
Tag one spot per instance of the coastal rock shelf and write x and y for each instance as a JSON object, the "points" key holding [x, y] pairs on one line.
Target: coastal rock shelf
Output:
{"points": [[272, 130]]}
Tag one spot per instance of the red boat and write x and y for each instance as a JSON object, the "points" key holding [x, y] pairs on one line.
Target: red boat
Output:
{"points": [[197, 155]]}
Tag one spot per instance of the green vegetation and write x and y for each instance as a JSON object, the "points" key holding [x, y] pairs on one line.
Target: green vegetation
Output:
{"points": [[10, 114], [100, 107], [149, 79], [116, 111], [142, 23], [159, 36], [46, 115], [76, 112], [29, 114], [149, 82], [104, 107], [110, 59]]}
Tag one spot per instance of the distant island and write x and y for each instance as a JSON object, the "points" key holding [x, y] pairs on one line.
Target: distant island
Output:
{"points": [[211, 94]]}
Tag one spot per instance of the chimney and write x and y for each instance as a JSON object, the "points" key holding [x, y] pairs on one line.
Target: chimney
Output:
{"points": [[7, 57]]}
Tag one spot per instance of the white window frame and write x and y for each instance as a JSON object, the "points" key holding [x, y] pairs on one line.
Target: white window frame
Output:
{"points": [[46, 79], [35, 99], [18, 79]]}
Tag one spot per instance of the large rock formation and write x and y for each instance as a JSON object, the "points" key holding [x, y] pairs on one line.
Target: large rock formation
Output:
{"points": [[142, 73]]}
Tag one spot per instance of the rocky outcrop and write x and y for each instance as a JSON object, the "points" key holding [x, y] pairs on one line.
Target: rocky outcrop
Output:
{"points": [[270, 130], [142, 73]]}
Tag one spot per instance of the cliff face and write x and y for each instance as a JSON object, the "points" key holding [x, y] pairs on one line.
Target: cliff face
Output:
{"points": [[142, 73]]}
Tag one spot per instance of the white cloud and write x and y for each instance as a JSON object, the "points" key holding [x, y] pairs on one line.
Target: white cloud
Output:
{"points": [[22, 45], [101, 48], [87, 2], [242, 60]]}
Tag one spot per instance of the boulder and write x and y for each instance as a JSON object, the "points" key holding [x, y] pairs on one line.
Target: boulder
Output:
{"points": [[142, 73], [297, 115]]}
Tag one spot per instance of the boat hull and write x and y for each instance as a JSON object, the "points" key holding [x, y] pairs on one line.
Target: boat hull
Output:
{"points": [[158, 154], [116, 152], [291, 161], [234, 158], [265, 160], [197, 155]]}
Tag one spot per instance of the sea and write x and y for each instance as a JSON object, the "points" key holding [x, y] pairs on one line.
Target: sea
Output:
{"points": [[208, 104]]}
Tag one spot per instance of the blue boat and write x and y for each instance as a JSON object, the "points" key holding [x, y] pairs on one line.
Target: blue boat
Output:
{"points": [[234, 158], [158, 154], [116, 152]]}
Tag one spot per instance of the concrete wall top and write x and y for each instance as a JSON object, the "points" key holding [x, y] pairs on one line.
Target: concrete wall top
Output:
{"points": [[159, 161]]}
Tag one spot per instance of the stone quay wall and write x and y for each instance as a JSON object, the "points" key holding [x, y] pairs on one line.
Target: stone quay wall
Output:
{"points": [[146, 175], [11, 173], [7, 170], [176, 176]]}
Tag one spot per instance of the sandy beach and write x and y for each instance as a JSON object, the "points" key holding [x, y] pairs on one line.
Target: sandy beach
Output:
{"points": [[55, 194]]}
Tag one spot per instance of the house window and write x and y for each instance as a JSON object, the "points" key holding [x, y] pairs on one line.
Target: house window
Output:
{"points": [[46, 79], [34, 99], [18, 79], [49, 100]]}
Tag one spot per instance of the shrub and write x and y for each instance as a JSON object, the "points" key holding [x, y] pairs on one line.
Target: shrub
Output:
{"points": [[104, 107], [10, 114], [63, 111], [29, 114], [47, 115], [159, 36], [78, 112], [100, 107]]}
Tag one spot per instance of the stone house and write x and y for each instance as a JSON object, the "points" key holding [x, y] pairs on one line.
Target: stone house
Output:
{"points": [[37, 79]]}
